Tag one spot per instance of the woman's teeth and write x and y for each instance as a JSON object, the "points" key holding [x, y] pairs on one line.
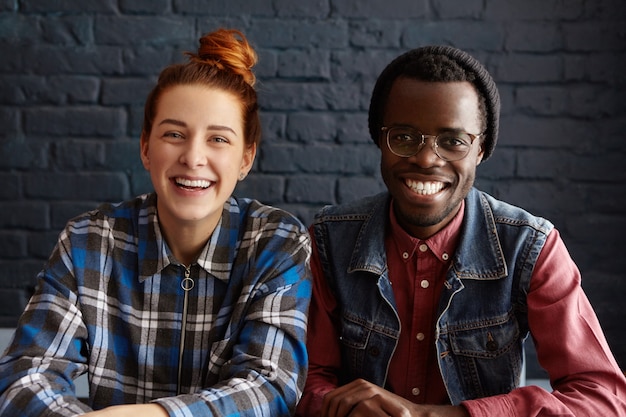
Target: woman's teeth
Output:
{"points": [[193, 183], [424, 188]]}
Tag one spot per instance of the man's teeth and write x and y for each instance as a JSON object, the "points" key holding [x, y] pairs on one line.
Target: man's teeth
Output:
{"points": [[193, 183], [425, 188]]}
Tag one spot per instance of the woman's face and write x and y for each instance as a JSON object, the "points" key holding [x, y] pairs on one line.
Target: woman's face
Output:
{"points": [[195, 154]]}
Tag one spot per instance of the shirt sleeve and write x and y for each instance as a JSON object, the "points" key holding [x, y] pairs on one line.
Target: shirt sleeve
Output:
{"points": [[322, 338], [570, 345], [48, 349]]}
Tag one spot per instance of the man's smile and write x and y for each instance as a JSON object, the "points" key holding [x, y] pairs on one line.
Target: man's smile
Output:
{"points": [[424, 187]]}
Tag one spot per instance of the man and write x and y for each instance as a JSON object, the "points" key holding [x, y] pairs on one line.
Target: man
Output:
{"points": [[424, 294]]}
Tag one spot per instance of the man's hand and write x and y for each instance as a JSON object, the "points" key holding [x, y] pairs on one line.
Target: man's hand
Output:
{"points": [[360, 398]]}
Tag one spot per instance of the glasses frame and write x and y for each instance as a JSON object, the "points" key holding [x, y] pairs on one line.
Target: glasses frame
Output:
{"points": [[435, 143]]}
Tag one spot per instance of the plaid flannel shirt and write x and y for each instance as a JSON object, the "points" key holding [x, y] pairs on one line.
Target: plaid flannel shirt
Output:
{"points": [[109, 302]]}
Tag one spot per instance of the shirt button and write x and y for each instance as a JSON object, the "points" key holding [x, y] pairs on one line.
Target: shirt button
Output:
{"points": [[405, 255], [420, 336], [423, 247], [415, 391], [445, 256], [425, 284]]}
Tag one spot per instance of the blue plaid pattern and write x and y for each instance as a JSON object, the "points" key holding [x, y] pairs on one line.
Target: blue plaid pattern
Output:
{"points": [[109, 302]]}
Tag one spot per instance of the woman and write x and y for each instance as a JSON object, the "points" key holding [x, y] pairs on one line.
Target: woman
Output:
{"points": [[186, 301]]}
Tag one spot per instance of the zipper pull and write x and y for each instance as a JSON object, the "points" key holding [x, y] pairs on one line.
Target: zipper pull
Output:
{"points": [[187, 283]]}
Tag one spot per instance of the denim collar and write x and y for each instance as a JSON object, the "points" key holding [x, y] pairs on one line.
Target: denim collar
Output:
{"points": [[478, 256]]}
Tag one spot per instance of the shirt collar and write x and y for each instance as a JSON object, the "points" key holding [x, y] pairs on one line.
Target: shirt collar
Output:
{"points": [[216, 258], [442, 244], [218, 255]]}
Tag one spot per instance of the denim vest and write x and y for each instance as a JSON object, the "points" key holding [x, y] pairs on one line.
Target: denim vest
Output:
{"points": [[482, 321]]}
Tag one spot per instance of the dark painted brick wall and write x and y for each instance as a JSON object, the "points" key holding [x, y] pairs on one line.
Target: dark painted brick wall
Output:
{"points": [[74, 75]]}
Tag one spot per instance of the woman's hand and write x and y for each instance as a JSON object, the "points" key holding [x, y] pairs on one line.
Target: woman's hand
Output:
{"points": [[138, 410]]}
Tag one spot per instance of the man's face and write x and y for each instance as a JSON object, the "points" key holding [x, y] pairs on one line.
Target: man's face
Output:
{"points": [[427, 191]]}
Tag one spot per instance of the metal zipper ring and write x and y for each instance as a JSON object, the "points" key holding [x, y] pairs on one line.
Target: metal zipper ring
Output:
{"points": [[187, 284]]}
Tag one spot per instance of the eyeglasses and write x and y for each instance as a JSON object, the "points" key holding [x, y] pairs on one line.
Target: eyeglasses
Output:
{"points": [[449, 146]]}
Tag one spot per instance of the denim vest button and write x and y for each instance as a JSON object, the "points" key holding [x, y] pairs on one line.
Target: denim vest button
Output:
{"points": [[374, 351], [492, 346]]}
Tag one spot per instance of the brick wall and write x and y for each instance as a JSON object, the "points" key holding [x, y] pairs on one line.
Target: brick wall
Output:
{"points": [[74, 75]]}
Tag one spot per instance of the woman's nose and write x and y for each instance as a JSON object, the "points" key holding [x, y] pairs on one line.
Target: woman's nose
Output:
{"points": [[193, 154]]}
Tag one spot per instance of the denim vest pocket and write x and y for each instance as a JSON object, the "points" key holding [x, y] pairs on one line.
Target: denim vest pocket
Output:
{"points": [[489, 355], [355, 334], [366, 349]]}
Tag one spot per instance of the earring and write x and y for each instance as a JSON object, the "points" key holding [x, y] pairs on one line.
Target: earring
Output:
{"points": [[242, 176]]}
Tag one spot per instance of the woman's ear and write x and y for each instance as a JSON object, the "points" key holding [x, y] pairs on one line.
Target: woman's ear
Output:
{"points": [[249, 154], [144, 147]]}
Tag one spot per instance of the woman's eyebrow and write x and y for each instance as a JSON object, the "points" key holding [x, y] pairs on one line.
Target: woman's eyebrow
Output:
{"points": [[220, 127], [180, 123], [172, 122]]}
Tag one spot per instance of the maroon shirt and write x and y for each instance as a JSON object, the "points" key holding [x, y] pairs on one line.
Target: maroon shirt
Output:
{"points": [[417, 271]]}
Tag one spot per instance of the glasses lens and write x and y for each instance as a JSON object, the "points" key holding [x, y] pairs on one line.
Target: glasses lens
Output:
{"points": [[403, 142], [453, 146]]}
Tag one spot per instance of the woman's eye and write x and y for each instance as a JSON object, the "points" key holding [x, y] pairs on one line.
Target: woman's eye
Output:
{"points": [[219, 139], [173, 135]]}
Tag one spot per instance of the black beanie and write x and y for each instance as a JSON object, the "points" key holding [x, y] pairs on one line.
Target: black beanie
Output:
{"points": [[484, 84]]}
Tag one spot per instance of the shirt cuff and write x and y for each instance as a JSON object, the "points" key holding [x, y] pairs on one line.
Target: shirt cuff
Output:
{"points": [[497, 405]]}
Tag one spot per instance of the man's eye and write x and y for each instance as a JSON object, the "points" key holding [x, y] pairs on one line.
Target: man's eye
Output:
{"points": [[405, 138], [452, 141]]}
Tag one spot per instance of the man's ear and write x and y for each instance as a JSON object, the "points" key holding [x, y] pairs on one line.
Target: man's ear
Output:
{"points": [[481, 153]]}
